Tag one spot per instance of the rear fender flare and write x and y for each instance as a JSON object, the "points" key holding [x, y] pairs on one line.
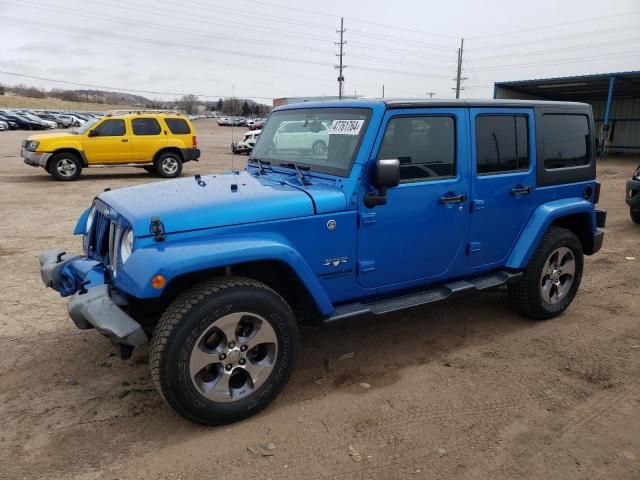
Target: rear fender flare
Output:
{"points": [[542, 217]]}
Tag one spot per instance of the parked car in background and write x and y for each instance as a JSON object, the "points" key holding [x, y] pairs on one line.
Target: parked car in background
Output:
{"points": [[35, 118], [12, 125], [74, 121], [302, 136], [23, 122], [158, 142], [633, 196], [247, 143], [4, 125], [60, 122]]}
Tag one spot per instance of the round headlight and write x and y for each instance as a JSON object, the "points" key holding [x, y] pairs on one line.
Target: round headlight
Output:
{"points": [[90, 217], [126, 246]]}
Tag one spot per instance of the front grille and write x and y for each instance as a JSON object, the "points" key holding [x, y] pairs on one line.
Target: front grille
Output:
{"points": [[103, 238]]}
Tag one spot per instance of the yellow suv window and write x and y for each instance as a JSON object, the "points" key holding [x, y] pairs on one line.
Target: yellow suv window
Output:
{"points": [[110, 128], [178, 126], [145, 126]]}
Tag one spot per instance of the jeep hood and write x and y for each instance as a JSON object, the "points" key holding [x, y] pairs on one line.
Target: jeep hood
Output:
{"points": [[185, 204]]}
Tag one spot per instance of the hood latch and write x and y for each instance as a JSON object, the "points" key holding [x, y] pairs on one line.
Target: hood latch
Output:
{"points": [[157, 229]]}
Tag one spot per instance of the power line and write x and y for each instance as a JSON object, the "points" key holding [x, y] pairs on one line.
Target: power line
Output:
{"points": [[542, 27], [557, 37], [562, 62], [554, 50], [353, 19]]}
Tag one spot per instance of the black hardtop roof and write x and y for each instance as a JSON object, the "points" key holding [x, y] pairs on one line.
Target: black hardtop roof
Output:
{"points": [[470, 103]]}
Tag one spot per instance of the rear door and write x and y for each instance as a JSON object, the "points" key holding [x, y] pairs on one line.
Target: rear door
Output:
{"points": [[147, 139], [503, 186], [420, 233]]}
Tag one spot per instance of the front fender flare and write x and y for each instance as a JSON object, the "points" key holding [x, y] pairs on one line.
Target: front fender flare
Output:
{"points": [[176, 258], [539, 222]]}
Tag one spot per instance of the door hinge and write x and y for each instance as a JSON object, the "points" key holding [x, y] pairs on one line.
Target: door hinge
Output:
{"points": [[367, 218], [473, 247], [366, 266], [477, 205]]}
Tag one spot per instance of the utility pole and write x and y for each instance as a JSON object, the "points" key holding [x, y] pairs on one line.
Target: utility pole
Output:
{"points": [[459, 75], [431, 94], [340, 66]]}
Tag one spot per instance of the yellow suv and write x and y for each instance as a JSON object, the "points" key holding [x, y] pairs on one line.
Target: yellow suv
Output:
{"points": [[158, 142]]}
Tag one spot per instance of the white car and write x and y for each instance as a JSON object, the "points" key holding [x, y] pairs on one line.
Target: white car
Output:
{"points": [[303, 136], [247, 143], [75, 121], [4, 125]]}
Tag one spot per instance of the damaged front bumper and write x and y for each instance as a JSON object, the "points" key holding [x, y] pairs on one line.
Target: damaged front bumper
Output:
{"points": [[94, 302]]}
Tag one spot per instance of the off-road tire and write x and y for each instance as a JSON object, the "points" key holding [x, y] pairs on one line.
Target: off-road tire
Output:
{"points": [[635, 215], [54, 167], [164, 159], [193, 312], [526, 296]]}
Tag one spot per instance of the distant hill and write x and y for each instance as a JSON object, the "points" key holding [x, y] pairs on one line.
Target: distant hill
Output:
{"points": [[113, 98]]}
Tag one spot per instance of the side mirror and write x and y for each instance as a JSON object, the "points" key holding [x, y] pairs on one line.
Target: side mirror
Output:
{"points": [[93, 133], [385, 175]]}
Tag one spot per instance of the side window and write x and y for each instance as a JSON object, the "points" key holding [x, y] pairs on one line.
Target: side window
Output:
{"points": [[502, 143], [111, 128], [425, 146], [145, 126], [178, 126], [566, 141]]}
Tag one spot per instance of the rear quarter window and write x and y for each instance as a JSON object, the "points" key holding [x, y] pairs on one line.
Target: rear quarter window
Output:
{"points": [[566, 141], [178, 126]]}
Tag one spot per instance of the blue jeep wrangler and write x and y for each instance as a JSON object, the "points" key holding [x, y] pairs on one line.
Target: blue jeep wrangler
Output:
{"points": [[344, 208]]}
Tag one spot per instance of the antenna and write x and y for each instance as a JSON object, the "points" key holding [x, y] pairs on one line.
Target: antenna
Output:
{"points": [[233, 140]]}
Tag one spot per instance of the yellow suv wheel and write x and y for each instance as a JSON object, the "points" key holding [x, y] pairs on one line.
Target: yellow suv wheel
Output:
{"points": [[168, 165]]}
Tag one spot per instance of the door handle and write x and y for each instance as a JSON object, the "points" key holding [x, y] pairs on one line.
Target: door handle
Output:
{"points": [[124, 140], [453, 199], [520, 190]]}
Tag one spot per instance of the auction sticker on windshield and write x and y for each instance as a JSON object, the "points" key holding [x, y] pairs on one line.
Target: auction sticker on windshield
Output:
{"points": [[346, 127]]}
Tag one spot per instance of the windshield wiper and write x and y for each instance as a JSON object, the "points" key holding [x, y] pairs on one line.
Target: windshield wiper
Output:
{"points": [[260, 164], [301, 176]]}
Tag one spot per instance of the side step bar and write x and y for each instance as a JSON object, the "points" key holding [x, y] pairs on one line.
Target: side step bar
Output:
{"points": [[422, 298]]}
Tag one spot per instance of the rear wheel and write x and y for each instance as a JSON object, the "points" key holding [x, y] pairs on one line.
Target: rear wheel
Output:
{"points": [[168, 165], [223, 350], [552, 278], [65, 166], [635, 215]]}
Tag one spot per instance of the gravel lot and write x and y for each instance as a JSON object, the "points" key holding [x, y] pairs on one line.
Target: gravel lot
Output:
{"points": [[463, 389]]}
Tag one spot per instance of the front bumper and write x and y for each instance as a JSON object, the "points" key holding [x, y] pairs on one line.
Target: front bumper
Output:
{"points": [[35, 159], [94, 304], [632, 196]]}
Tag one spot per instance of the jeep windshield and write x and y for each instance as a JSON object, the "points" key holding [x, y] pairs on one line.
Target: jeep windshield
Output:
{"points": [[323, 140]]}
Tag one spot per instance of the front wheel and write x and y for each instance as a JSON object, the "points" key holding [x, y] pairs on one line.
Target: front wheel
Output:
{"points": [[635, 215], [65, 166], [223, 350], [319, 147], [552, 277]]}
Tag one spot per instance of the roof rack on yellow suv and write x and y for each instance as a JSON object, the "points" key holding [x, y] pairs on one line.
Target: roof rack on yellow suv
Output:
{"points": [[140, 111]]}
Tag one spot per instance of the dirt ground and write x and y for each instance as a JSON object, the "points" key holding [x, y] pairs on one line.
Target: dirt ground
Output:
{"points": [[463, 389]]}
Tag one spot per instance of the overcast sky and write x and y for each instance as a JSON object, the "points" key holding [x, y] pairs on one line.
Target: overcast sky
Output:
{"points": [[283, 48]]}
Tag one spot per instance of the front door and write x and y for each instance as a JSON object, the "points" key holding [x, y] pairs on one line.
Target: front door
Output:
{"points": [[418, 236], [109, 143], [503, 182]]}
